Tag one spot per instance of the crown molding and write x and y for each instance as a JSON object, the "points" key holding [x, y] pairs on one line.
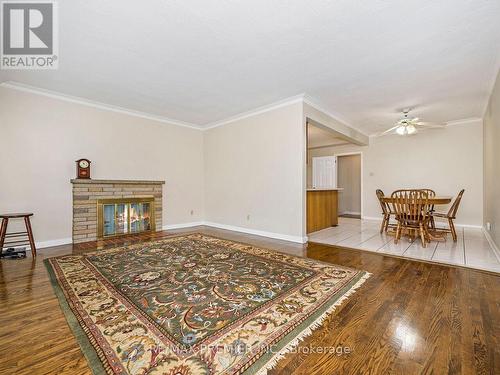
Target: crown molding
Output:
{"points": [[256, 111], [90, 103], [301, 98]]}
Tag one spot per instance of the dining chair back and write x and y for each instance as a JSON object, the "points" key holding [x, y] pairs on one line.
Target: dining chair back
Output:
{"points": [[450, 216], [410, 205], [452, 212], [380, 194], [386, 211], [411, 208], [431, 193]]}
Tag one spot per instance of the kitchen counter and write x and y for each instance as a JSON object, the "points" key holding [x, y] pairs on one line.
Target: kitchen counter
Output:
{"points": [[325, 189], [322, 208]]}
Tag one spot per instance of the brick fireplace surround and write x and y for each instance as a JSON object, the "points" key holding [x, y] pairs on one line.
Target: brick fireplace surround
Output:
{"points": [[87, 192]]}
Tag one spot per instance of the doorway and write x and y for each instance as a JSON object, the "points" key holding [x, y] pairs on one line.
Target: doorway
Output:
{"points": [[349, 178]]}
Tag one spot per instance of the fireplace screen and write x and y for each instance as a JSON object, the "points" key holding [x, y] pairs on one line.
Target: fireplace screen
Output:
{"points": [[124, 216]]}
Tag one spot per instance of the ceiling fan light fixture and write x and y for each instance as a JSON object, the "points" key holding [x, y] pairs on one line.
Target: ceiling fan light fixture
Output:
{"points": [[401, 130], [411, 129], [406, 126]]}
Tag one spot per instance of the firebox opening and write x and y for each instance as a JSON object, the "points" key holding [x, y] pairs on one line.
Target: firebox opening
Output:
{"points": [[124, 216]]}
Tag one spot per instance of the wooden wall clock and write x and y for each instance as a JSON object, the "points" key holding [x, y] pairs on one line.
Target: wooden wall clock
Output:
{"points": [[83, 168]]}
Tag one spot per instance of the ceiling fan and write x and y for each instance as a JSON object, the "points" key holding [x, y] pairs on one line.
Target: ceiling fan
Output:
{"points": [[409, 126]]}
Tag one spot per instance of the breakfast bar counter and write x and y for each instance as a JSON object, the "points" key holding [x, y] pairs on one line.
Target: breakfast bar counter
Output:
{"points": [[322, 208]]}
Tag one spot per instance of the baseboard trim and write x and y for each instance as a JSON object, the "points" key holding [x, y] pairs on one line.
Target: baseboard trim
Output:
{"points": [[277, 236], [350, 213], [492, 243], [456, 224], [183, 225], [371, 218], [50, 243]]}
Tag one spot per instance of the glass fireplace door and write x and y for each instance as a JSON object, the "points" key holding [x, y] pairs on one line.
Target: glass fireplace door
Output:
{"points": [[121, 218], [109, 219], [139, 217], [127, 215], [115, 219]]}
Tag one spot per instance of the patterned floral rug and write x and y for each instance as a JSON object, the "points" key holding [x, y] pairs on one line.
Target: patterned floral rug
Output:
{"points": [[194, 304]]}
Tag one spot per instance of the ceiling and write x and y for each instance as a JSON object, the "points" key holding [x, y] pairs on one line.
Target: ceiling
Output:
{"points": [[202, 61]]}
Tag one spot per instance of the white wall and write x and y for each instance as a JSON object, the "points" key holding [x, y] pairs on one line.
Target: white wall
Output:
{"points": [[254, 166], [445, 160], [492, 163], [41, 137]]}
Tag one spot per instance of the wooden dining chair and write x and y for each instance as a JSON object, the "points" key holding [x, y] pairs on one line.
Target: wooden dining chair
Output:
{"points": [[431, 194], [450, 215], [411, 208], [386, 211]]}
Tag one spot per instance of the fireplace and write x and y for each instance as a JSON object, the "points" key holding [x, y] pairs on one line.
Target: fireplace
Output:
{"points": [[108, 208], [124, 216]]}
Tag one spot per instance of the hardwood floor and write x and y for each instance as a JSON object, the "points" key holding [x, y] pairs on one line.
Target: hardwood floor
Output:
{"points": [[408, 318]]}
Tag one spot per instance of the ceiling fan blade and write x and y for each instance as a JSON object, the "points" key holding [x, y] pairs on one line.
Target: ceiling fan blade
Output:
{"points": [[426, 123], [387, 131], [430, 125]]}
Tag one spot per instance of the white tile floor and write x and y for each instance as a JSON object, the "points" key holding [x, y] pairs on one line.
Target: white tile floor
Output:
{"points": [[471, 250]]}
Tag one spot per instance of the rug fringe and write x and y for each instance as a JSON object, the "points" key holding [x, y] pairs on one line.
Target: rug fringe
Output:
{"points": [[309, 330]]}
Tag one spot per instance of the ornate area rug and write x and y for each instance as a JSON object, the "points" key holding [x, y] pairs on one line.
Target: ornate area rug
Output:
{"points": [[194, 304]]}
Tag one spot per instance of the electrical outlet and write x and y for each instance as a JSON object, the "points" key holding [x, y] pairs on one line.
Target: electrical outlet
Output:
{"points": [[488, 226]]}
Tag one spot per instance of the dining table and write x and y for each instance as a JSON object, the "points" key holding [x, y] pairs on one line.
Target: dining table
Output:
{"points": [[437, 200], [431, 200]]}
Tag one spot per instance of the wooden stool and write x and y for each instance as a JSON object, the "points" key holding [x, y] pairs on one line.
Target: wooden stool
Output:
{"points": [[17, 239]]}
